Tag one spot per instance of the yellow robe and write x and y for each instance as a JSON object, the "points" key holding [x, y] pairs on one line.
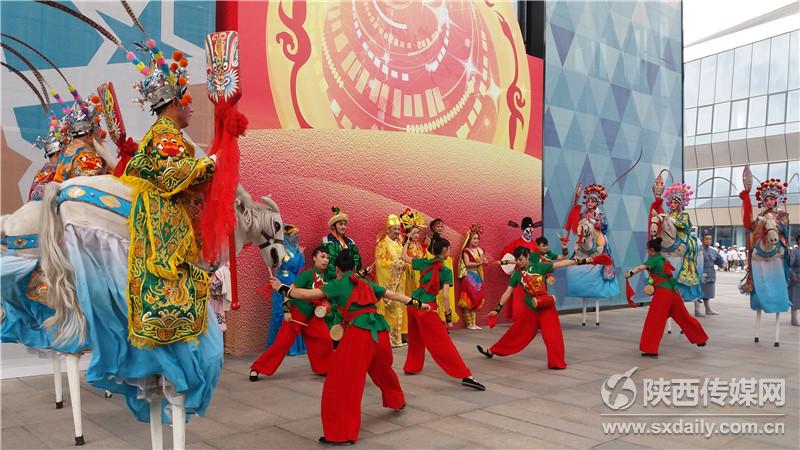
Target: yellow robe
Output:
{"points": [[439, 302], [387, 253]]}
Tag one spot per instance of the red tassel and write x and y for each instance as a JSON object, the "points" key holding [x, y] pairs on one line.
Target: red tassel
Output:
{"points": [[602, 259], [433, 286], [125, 152], [217, 220], [362, 293], [573, 219], [747, 218], [629, 293]]}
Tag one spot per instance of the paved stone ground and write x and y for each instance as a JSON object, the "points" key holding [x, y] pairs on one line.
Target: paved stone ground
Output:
{"points": [[525, 405]]}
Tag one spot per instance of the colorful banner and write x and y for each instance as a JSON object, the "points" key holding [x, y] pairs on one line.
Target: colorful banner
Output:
{"points": [[426, 105]]}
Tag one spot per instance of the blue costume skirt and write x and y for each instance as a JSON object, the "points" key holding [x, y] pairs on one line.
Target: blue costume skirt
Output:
{"points": [[587, 281], [688, 293], [24, 318], [100, 260], [770, 291]]}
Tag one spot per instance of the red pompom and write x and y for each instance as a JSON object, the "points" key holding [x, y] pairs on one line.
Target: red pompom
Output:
{"points": [[173, 67], [177, 55], [184, 62], [95, 99], [182, 81]]}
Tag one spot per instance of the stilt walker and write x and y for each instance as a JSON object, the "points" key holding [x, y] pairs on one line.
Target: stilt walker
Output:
{"points": [[425, 330], [364, 349], [590, 226], [667, 303], [540, 310], [301, 318], [768, 258]]}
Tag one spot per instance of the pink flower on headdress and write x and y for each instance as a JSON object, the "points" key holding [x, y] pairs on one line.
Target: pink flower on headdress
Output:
{"points": [[681, 192]]}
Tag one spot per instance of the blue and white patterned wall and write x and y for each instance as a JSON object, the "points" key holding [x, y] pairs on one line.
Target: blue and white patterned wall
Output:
{"points": [[612, 87], [87, 60]]}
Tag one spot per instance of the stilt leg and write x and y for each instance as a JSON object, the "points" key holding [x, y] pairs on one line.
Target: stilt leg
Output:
{"points": [[73, 378], [669, 326], [57, 380], [583, 320], [777, 330], [156, 427], [178, 423], [107, 394], [597, 312], [758, 324]]}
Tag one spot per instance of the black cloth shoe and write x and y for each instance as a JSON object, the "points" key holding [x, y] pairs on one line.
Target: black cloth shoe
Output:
{"points": [[253, 375], [650, 355], [485, 353], [471, 383], [701, 345], [322, 440]]}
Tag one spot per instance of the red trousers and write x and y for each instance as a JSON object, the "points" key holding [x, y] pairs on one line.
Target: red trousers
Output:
{"points": [[518, 305], [667, 303], [426, 331], [525, 328], [356, 356], [316, 337]]}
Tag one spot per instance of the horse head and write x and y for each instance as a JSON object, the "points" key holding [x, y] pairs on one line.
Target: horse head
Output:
{"points": [[260, 224], [661, 226], [770, 234], [586, 236]]}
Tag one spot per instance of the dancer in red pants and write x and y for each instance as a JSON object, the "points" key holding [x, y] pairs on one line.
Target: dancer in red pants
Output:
{"points": [[364, 349], [666, 303], [425, 329], [539, 311], [300, 319]]}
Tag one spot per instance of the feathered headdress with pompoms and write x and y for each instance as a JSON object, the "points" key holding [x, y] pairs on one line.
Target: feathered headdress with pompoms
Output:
{"points": [[679, 191], [774, 188], [163, 82]]}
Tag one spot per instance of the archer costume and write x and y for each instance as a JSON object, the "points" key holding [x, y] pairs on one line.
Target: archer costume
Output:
{"points": [[425, 329], [526, 240], [390, 273], [315, 333], [766, 281], [290, 267], [666, 303], [539, 312], [472, 278], [591, 281], [683, 254], [364, 349]]}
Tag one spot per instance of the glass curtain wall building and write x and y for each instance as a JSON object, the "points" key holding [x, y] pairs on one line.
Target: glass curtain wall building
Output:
{"points": [[741, 106]]}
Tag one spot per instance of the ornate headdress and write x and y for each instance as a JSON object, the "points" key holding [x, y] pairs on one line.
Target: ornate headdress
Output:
{"points": [[83, 118], [679, 191], [163, 82], [774, 188], [338, 216], [411, 219], [596, 192], [53, 142], [392, 221], [290, 229]]}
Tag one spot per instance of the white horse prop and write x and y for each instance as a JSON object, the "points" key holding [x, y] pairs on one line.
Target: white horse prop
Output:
{"points": [[86, 218], [767, 258], [590, 242]]}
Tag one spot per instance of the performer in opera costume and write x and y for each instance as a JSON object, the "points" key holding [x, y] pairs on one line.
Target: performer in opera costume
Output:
{"points": [[300, 319], [540, 311], [472, 275], [425, 330], [390, 273], [525, 240], [436, 229], [679, 242], [768, 270], [51, 145], [290, 267], [364, 349], [591, 227], [80, 157], [337, 240], [413, 226], [666, 303]]}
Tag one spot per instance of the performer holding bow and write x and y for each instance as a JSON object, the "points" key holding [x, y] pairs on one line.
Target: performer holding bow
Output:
{"points": [[591, 228], [666, 303], [301, 318], [364, 349], [425, 329], [768, 268], [540, 310]]}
